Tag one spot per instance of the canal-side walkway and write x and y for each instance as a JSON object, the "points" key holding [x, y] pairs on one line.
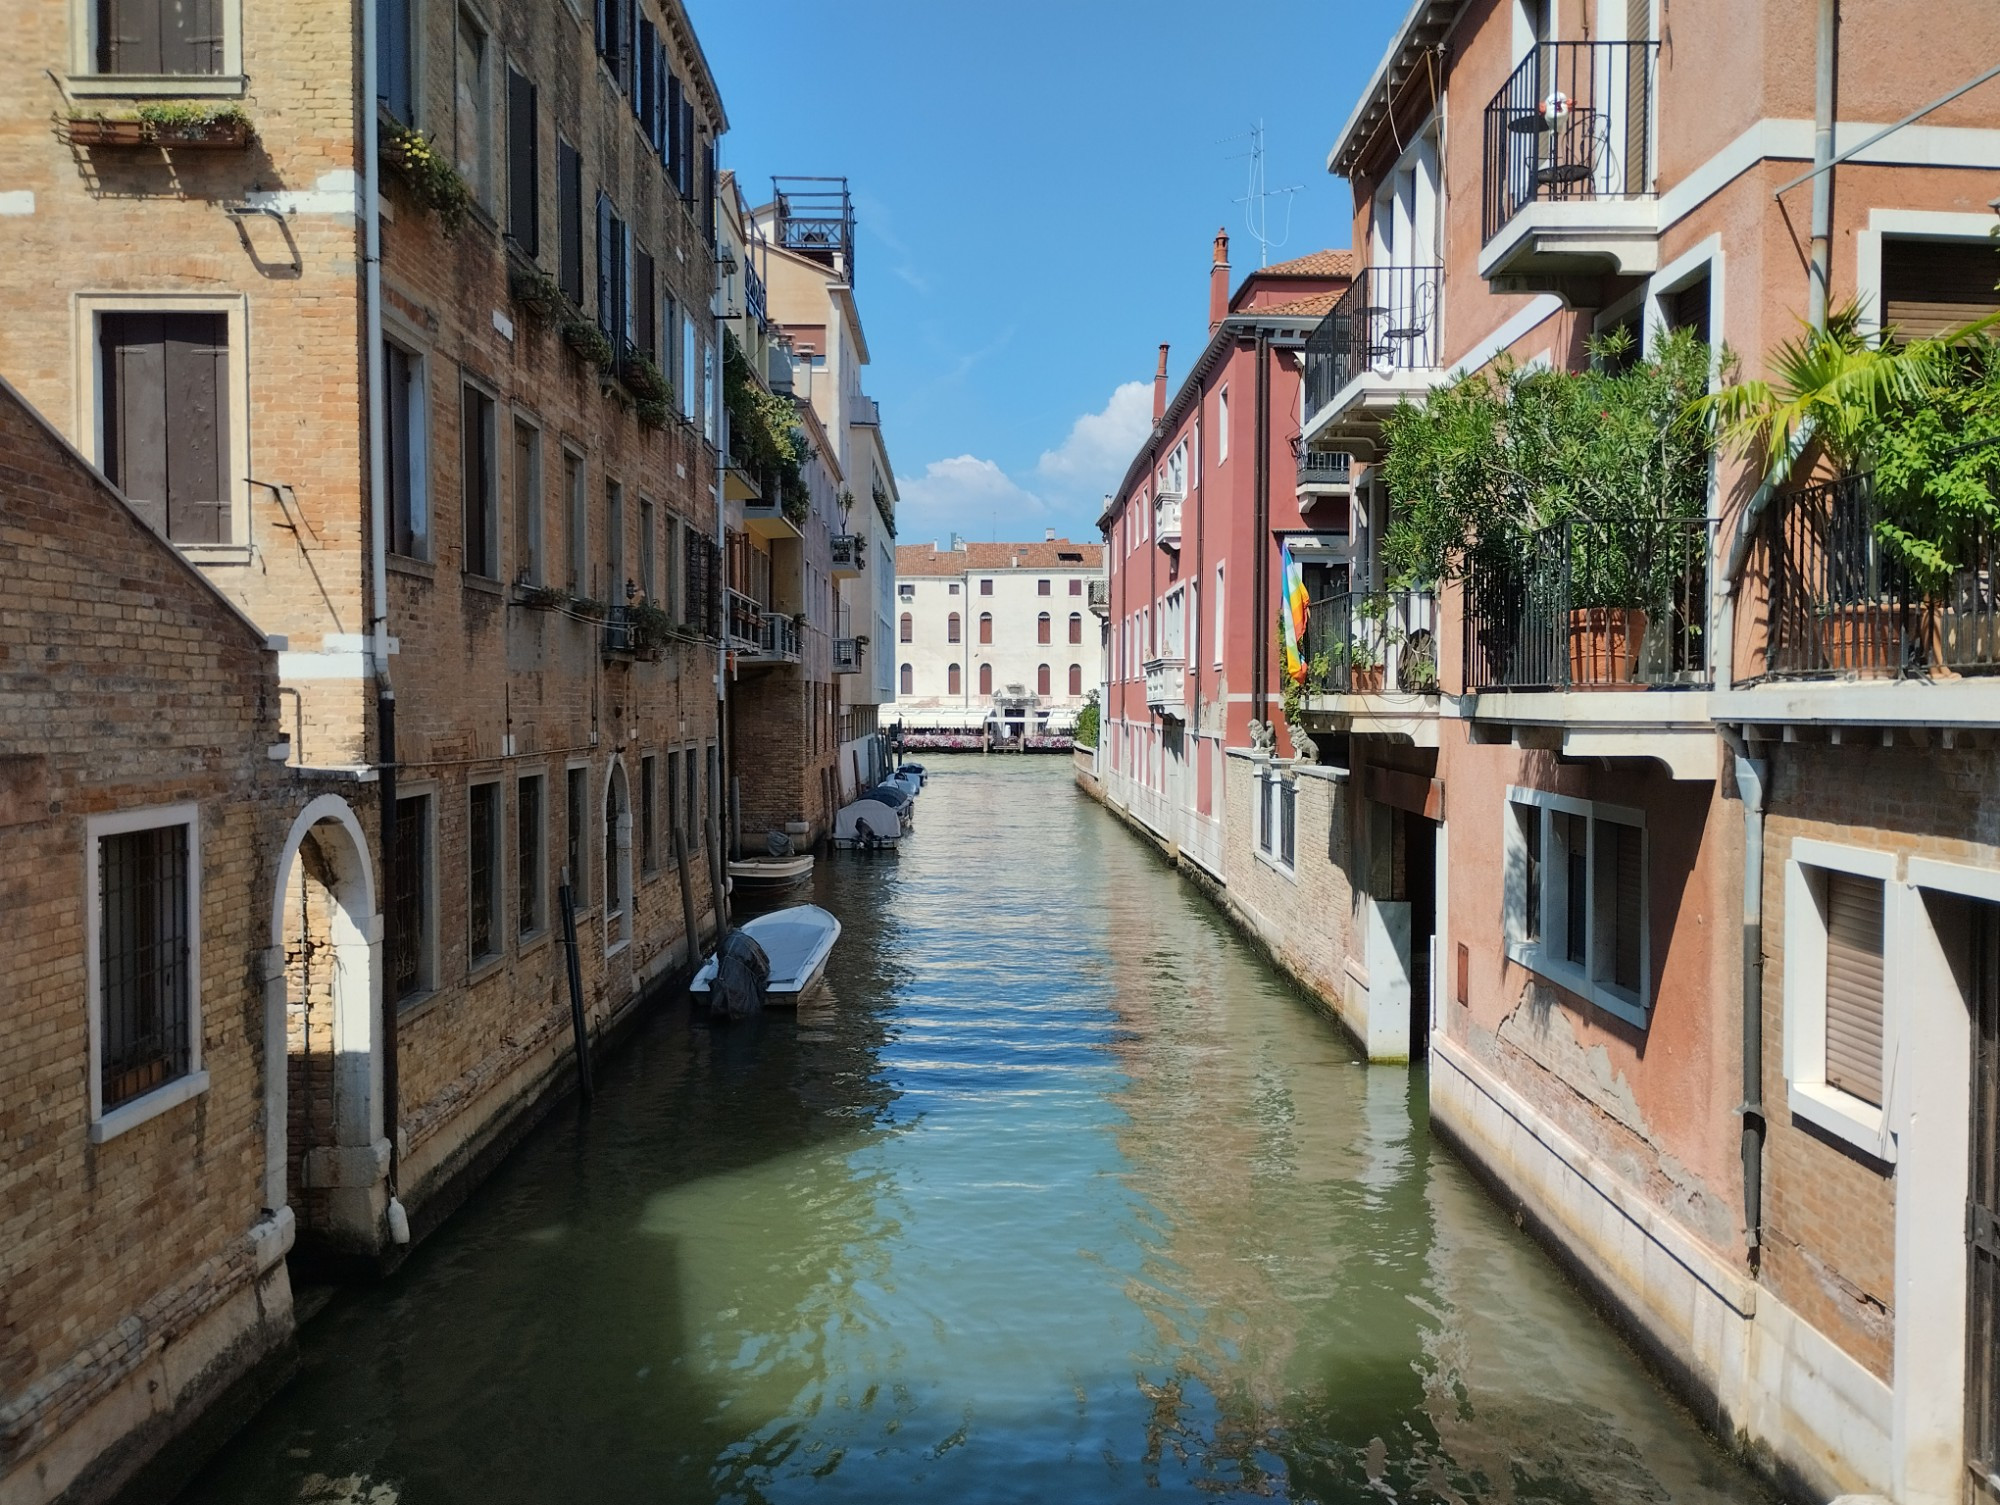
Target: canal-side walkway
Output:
{"points": [[1061, 1194]]}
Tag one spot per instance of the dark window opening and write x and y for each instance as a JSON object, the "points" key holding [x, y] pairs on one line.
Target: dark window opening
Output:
{"points": [[142, 957]]}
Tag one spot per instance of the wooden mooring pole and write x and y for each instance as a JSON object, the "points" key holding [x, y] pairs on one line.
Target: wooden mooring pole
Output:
{"points": [[566, 896]]}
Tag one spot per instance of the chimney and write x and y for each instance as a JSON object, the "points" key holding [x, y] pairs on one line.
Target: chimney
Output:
{"points": [[1048, 535], [1160, 387], [1218, 282]]}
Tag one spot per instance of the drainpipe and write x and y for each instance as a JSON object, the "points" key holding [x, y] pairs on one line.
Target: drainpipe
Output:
{"points": [[1752, 775], [1822, 199], [1260, 549], [378, 571]]}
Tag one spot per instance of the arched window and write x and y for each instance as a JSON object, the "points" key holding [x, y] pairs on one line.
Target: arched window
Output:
{"points": [[951, 679], [909, 627], [986, 627], [1076, 679], [1076, 627], [617, 859], [906, 679], [1042, 679], [951, 628], [1042, 628], [985, 679]]}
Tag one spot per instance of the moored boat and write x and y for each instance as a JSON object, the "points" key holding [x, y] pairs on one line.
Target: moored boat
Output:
{"points": [[797, 940], [761, 880]]}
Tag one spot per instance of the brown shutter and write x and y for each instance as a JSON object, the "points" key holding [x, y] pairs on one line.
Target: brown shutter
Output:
{"points": [[569, 231], [135, 411], [523, 164], [1932, 285], [1638, 92], [190, 36], [197, 377], [128, 36], [1628, 904], [1854, 985]]}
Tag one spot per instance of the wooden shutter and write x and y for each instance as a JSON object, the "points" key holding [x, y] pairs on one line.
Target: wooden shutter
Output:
{"points": [[673, 157], [135, 411], [569, 229], [1932, 285], [1638, 98], [166, 419], [476, 464], [392, 78], [644, 303], [159, 36], [687, 146], [523, 163], [1854, 985], [708, 192], [642, 77], [606, 309], [1626, 847]]}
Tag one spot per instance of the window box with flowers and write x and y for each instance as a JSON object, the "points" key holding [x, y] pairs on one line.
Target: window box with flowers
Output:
{"points": [[179, 126], [413, 157]]}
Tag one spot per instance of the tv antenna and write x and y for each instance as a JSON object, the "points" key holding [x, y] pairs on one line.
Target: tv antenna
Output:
{"points": [[1257, 198]]}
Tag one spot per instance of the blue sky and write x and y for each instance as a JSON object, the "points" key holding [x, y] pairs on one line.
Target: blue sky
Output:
{"points": [[1038, 183]]}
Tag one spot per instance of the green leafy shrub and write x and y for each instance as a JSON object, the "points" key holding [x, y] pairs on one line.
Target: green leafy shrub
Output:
{"points": [[434, 182]]}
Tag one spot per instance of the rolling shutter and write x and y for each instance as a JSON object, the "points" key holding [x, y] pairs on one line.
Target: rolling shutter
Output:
{"points": [[1929, 286], [1854, 985], [523, 164]]}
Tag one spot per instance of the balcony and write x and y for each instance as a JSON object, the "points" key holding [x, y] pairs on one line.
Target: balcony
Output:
{"points": [[864, 412], [1167, 518], [770, 516], [1323, 475], [1568, 167], [1100, 598], [1377, 347], [847, 655], [758, 636], [850, 555], [1371, 659], [815, 217], [1166, 688]]}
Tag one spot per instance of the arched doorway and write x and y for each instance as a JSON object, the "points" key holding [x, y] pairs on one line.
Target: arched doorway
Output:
{"points": [[326, 1155]]}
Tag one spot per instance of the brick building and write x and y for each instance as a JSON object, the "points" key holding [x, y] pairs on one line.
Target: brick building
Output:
{"points": [[472, 484], [144, 806]]}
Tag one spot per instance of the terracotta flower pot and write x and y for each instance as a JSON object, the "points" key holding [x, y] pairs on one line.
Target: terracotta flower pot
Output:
{"points": [[1362, 681], [1864, 640], [1604, 646]]}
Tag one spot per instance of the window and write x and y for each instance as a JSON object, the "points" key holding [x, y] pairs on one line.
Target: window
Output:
{"points": [[905, 681], [907, 630], [1075, 680], [408, 413], [576, 852], [1836, 990], [1929, 286], [951, 631], [481, 503], [166, 419], [576, 527], [1076, 587], [1218, 616], [144, 965], [708, 380], [1041, 679], [409, 927], [907, 592], [154, 37], [951, 589], [1041, 587], [690, 357], [1042, 628], [528, 502], [523, 163], [1222, 425], [649, 846], [474, 115], [953, 683], [692, 789], [482, 874], [617, 839], [569, 221], [985, 679], [985, 627], [395, 53], [645, 321], [649, 583], [529, 884], [1076, 627], [986, 587], [1576, 898], [613, 269], [614, 544]]}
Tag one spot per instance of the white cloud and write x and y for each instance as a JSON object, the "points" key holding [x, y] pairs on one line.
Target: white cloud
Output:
{"points": [[1101, 444], [967, 495]]}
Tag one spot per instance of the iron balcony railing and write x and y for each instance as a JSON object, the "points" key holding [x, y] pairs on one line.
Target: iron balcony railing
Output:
{"points": [[779, 637], [746, 622], [847, 655], [850, 556], [1573, 123], [754, 298], [816, 216], [1325, 467], [1367, 643], [617, 630], [1593, 605], [1840, 602], [1386, 320]]}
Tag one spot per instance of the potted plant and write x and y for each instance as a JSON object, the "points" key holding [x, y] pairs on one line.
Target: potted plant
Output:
{"points": [[413, 157], [589, 342], [167, 124], [649, 627], [652, 412], [535, 291], [588, 608], [543, 597], [642, 378]]}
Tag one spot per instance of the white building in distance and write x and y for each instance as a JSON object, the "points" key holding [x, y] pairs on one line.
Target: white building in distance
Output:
{"points": [[998, 632]]}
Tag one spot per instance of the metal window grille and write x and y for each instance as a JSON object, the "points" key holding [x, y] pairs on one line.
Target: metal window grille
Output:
{"points": [[409, 877], [613, 898], [143, 960], [649, 771]]}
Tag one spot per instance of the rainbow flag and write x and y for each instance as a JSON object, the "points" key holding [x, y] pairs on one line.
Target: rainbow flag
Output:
{"points": [[1292, 615]]}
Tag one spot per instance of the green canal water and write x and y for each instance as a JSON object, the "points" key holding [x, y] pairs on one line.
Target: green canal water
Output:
{"points": [[1061, 1195]]}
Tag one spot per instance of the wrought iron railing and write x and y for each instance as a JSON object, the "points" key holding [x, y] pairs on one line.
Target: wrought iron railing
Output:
{"points": [[849, 554], [1840, 602], [1325, 467], [617, 630], [1388, 318], [1100, 597], [779, 637], [754, 299], [1593, 605], [816, 217], [1365, 643], [1574, 122]]}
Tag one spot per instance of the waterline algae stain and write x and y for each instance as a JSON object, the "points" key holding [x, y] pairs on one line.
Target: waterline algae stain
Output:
{"points": [[1058, 1193]]}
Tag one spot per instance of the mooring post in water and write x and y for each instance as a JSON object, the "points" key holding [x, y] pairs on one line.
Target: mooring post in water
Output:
{"points": [[687, 896], [566, 897], [717, 877]]}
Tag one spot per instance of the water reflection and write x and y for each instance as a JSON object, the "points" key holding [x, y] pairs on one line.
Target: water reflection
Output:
{"points": [[1060, 1193]]}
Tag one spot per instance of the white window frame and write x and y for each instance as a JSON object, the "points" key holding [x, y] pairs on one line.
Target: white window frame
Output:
{"points": [[89, 389], [85, 82], [1704, 259], [1222, 426], [534, 570], [1272, 806], [418, 354], [586, 845], [194, 1081], [1905, 224], [1807, 1093], [1538, 955]]}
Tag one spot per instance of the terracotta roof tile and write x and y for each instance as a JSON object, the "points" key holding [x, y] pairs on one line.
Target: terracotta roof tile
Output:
{"points": [[1318, 264], [922, 559], [1315, 307]]}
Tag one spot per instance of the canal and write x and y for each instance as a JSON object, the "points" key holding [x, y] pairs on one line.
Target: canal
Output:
{"points": [[1061, 1194]]}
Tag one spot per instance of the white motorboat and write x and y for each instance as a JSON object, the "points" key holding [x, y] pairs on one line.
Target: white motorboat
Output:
{"points": [[760, 880], [868, 823], [797, 939]]}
